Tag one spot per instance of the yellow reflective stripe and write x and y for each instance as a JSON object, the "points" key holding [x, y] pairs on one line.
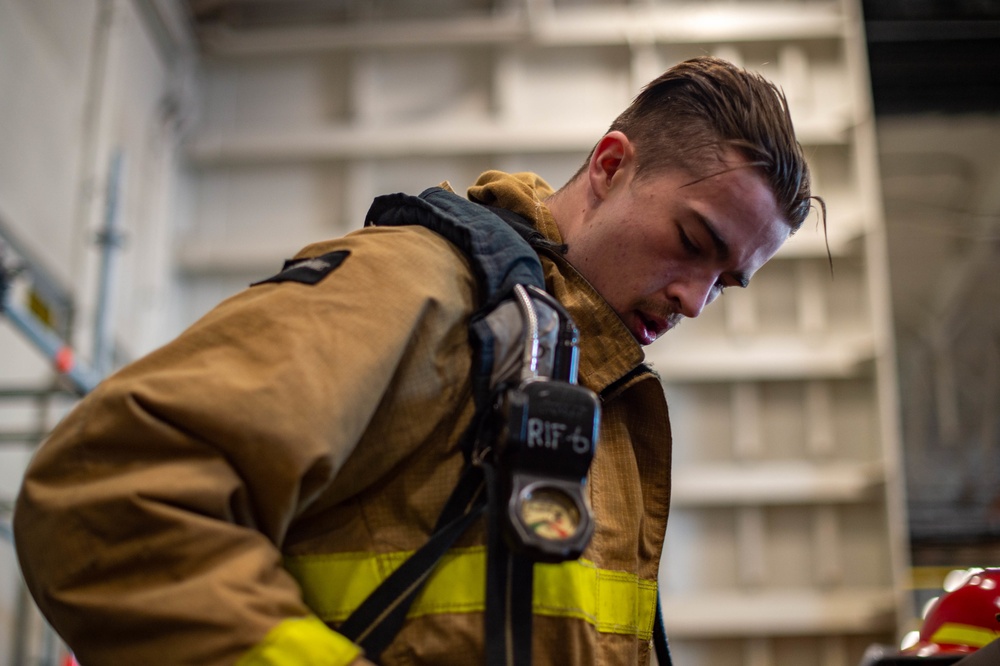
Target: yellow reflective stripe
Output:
{"points": [[951, 633], [612, 601], [301, 642]]}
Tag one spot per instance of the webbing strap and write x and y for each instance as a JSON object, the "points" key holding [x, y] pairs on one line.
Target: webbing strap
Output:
{"points": [[508, 609], [374, 623], [660, 643], [509, 583]]}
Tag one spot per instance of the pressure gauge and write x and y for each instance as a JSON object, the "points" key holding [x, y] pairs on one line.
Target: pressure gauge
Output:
{"points": [[549, 513], [548, 519]]}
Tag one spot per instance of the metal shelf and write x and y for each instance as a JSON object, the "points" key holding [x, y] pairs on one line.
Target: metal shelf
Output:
{"points": [[345, 142], [777, 612], [682, 23], [775, 483], [763, 358]]}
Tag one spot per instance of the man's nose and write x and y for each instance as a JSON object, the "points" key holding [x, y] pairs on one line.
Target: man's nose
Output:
{"points": [[690, 297]]}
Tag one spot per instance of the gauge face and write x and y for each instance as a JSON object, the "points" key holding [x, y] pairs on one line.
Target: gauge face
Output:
{"points": [[550, 514]]}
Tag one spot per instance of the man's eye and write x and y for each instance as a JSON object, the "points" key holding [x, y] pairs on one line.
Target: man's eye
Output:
{"points": [[689, 246]]}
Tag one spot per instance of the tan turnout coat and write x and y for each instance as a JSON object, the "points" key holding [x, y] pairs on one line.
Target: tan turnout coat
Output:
{"points": [[164, 519]]}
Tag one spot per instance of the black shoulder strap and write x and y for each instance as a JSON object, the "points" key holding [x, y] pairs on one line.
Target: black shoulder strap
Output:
{"points": [[378, 619], [500, 256], [661, 646], [498, 251]]}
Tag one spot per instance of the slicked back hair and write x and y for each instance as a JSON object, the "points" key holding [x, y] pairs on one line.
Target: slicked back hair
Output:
{"points": [[690, 115]]}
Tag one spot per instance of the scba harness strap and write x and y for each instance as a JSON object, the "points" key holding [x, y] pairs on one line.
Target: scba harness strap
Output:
{"points": [[499, 245]]}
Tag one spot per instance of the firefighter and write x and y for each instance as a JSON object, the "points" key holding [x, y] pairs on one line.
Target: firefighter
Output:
{"points": [[234, 495]]}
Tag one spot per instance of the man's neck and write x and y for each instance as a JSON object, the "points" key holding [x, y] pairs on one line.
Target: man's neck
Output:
{"points": [[568, 206]]}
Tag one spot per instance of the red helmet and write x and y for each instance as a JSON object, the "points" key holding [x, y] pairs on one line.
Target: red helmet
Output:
{"points": [[965, 618]]}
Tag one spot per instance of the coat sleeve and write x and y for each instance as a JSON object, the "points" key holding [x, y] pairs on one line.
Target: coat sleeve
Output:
{"points": [[149, 525]]}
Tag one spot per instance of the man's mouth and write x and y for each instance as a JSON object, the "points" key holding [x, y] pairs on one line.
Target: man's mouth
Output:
{"points": [[648, 327]]}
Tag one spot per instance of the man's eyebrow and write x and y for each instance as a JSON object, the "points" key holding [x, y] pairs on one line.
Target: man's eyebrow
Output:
{"points": [[721, 246]]}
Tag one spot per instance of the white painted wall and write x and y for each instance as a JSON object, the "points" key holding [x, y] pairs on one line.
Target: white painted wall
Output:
{"points": [[47, 47]]}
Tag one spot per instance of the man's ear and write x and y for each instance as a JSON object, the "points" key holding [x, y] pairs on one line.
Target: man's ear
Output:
{"points": [[612, 156]]}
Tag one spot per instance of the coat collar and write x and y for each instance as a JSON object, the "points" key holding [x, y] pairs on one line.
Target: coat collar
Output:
{"points": [[608, 352]]}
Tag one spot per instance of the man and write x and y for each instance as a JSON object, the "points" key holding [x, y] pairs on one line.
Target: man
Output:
{"points": [[234, 495]]}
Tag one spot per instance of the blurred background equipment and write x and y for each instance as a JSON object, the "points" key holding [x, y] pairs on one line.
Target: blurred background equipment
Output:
{"points": [[961, 626], [964, 619]]}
